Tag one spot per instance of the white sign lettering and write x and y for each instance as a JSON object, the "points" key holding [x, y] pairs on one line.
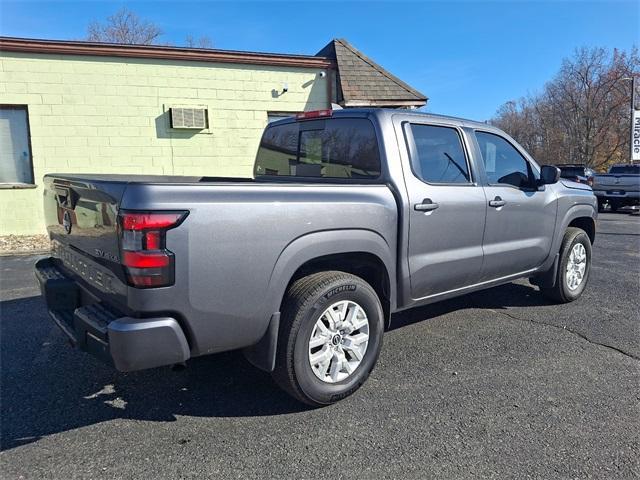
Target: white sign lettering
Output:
{"points": [[635, 136]]}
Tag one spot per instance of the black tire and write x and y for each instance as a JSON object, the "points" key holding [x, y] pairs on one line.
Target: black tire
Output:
{"points": [[561, 292], [306, 300], [601, 204], [614, 206]]}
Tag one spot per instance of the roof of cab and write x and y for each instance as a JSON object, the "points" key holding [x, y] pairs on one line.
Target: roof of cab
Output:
{"points": [[388, 112]]}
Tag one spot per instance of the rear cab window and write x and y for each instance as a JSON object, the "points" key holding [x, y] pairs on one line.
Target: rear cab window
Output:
{"points": [[625, 170], [336, 148]]}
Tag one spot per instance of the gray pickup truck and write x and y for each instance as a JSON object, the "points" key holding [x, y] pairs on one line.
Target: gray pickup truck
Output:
{"points": [[618, 188], [351, 215]]}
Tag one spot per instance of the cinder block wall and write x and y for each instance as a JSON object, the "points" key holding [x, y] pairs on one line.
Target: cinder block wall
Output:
{"points": [[108, 115]]}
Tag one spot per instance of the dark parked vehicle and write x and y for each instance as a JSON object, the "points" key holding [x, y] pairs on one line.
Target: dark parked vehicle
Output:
{"points": [[577, 172], [352, 215], [618, 188]]}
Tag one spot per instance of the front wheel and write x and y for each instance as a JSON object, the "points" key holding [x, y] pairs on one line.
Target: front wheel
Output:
{"points": [[330, 337], [573, 268]]}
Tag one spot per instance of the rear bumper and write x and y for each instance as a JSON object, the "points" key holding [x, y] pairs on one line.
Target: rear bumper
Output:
{"points": [[622, 195], [125, 342]]}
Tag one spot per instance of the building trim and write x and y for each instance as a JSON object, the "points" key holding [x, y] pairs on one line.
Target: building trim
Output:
{"points": [[66, 47], [382, 103]]}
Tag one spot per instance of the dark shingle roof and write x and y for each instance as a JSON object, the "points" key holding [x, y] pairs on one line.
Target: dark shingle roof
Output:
{"points": [[362, 82]]}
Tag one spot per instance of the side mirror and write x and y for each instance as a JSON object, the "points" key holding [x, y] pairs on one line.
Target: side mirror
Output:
{"points": [[549, 174]]}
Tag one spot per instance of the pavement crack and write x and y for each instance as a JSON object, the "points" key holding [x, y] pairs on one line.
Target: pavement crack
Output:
{"points": [[572, 332]]}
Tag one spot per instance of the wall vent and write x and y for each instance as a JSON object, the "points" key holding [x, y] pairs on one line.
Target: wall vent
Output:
{"points": [[192, 118]]}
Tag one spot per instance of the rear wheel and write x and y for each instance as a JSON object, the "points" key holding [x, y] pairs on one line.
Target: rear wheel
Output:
{"points": [[330, 337], [573, 268]]}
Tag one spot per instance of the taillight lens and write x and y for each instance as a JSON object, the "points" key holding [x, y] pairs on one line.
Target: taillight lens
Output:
{"points": [[146, 260], [150, 220]]}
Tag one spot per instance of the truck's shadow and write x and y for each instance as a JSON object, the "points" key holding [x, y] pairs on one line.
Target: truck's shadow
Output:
{"points": [[47, 387]]}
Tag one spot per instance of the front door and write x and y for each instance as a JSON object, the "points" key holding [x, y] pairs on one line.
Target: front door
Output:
{"points": [[520, 216], [447, 211]]}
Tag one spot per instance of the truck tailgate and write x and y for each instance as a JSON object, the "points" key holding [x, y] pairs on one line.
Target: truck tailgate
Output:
{"points": [[629, 183], [81, 215]]}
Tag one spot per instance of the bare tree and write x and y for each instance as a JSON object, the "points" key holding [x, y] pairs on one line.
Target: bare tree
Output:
{"points": [[201, 42], [125, 27], [582, 115]]}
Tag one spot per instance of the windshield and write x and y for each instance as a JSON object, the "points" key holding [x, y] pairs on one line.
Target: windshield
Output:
{"points": [[568, 172]]}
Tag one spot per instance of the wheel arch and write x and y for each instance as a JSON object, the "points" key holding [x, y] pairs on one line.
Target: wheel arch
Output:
{"points": [[365, 265], [588, 224], [361, 252], [582, 216]]}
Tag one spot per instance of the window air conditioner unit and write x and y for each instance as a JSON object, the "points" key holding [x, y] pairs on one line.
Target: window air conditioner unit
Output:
{"points": [[190, 118]]}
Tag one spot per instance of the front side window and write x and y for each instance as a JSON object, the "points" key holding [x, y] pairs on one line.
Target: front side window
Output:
{"points": [[15, 151], [335, 148], [439, 156], [503, 163]]}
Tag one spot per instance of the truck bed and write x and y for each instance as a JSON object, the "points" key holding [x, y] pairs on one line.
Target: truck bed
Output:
{"points": [[233, 225]]}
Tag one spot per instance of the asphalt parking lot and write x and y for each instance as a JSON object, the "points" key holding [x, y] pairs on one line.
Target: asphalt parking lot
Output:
{"points": [[498, 384]]}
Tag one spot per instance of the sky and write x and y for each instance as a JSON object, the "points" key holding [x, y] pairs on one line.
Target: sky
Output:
{"points": [[468, 57]]}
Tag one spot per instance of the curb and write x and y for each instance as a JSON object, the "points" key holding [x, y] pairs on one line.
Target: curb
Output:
{"points": [[23, 253]]}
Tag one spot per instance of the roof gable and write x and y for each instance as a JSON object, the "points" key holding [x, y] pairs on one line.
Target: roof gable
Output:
{"points": [[362, 82]]}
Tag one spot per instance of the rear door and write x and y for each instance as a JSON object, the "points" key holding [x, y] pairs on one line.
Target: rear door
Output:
{"points": [[520, 216], [447, 210]]}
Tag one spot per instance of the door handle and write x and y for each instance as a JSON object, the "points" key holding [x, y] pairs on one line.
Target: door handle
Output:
{"points": [[497, 202], [426, 206]]}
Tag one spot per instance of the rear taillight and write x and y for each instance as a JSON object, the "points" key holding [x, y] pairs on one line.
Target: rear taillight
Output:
{"points": [[145, 257], [590, 181]]}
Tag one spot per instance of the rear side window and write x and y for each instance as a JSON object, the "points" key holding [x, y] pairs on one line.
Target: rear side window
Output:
{"points": [[335, 148], [439, 156], [625, 169]]}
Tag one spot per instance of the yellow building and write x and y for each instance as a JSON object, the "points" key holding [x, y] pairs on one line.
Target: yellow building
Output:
{"points": [[101, 108]]}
